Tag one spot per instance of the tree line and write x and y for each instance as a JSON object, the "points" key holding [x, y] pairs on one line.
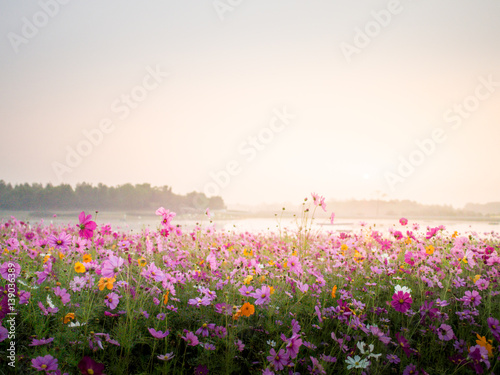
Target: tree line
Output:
{"points": [[86, 196]]}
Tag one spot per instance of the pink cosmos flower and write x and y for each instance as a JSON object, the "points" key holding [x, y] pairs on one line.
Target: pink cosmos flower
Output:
{"points": [[4, 333], [471, 298], [158, 334], [86, 226], [62, 294], [403, 221], [167, 216], [401, 301], [445, 332], [47, 363], [191, 339], [10, 268], [37, 342], [60, 242], [278, 360], [263, 295], [111, 266], [112, 300], [332, 217]]}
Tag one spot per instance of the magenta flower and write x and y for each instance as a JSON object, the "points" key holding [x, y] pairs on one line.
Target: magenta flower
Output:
{"points": [[292, 345], [61, 242], [111, 266], [158, 334], [494, 325], [471, 298], [10, 268], [239, 345], [401, 301], [86, 226], [62, 294], [404, 344], [88, 366], [278, 360], [153, 272], [36, 342], [263, 295], [191, 339], [4, 333], [167, 216], [112, 300], [47, 363], [445, 332], [403, 221]]}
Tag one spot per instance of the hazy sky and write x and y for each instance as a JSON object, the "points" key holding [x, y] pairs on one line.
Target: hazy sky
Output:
{"points": [[257, 101]]}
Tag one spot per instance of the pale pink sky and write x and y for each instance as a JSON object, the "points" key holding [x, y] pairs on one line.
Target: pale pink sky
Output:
{"points": [[173, 93]]}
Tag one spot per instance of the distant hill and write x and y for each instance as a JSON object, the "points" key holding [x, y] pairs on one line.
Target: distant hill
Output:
{"points": [[489, 209], [36, 197]]}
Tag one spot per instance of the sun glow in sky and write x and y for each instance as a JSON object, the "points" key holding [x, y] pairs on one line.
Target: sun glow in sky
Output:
{"points": [[256, 101]]}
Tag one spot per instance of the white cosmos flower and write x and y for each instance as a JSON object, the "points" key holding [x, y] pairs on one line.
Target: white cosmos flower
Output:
{"points": [[356, 362], [49, 301], [403, 289]]}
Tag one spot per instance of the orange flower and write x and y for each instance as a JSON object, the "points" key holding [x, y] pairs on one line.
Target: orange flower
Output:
{"points": [[334, 290], [247, 253], [68, 317], [141, 262], [429, 250], [165, 297], [247, 309], [61, 255], [46, 258], [272, 289], [79, 267], [106, 282], [87, 258], [485, 344]]}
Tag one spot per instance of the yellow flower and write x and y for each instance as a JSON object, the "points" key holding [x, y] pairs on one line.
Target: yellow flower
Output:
{"points": [[358, 257], [485, 344], [87, 258], [79, 267], [262, 278], [455, 234], [165, 297], [476, 278], [141, 261], [61, 255], [247, 253], [46, 258], [6, 250], [344, 247], [68, 317], [272, 289], [106, 282], [271, 263], [429, 250], [408, 241], [248, 280], [294, 253], [334, 290]]}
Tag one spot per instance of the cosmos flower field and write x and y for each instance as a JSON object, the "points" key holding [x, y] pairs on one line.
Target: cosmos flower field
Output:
{"points": [[83, 298]]}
